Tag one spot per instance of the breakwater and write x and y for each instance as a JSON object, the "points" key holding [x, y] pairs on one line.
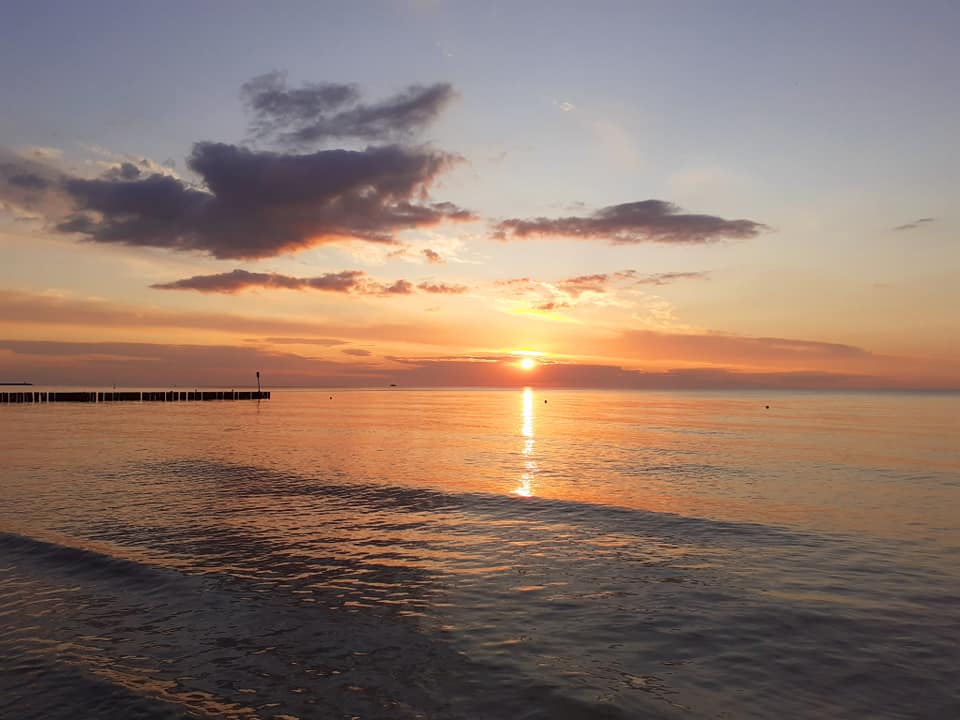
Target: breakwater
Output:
{"points": [[98, 396]]}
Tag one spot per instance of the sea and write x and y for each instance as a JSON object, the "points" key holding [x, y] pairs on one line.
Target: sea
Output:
{"points": [[516, 554]]}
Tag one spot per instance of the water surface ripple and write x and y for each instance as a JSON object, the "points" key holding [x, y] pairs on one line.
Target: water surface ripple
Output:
{"points": [[444, 554]]}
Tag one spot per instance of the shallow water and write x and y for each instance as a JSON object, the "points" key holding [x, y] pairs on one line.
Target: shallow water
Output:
{"points": [[483, 554]]}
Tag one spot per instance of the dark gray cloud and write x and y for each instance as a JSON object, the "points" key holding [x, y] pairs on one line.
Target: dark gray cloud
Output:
{"points": [[259, 204], [237, 280], [319, 112], [433, 257], [28, 181], [358, 352], [636, 222], [916, 223], [356, 282]]}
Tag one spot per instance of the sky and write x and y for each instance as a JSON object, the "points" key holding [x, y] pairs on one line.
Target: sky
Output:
{"points": [[629, 195]]}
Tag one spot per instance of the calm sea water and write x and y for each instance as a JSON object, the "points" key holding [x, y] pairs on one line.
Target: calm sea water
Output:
{"points": [[483, 554]]}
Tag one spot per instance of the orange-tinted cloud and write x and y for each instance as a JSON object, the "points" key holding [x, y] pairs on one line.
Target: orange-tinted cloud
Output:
{"points": [[545, 296], [442, 288], [30, 310]]}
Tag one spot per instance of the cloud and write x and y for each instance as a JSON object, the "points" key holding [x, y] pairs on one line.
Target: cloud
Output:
{"points": [[28, 181], [123, 171], [546, 296], [442, 288], [552, 305], [326, 342], [916, 223], [20, 310], [669, 277], [319, 112], [583, 283], [433, 257], [359, 352], [161, 365], [400, 287], [665, 356], [631, 223], [237, 280], [146, 364], [502, 372], [260, 204], [739, 351], [347, 281]]}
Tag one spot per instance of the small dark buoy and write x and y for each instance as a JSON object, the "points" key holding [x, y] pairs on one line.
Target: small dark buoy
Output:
{"points": [[767, 407], [331, 397], [544, 402]]}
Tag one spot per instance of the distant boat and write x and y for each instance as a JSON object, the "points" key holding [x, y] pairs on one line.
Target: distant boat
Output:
{"points": [[393, 384]]}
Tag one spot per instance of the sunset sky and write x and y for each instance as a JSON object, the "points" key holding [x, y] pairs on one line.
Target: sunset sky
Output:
{"points": [[649, 195]]}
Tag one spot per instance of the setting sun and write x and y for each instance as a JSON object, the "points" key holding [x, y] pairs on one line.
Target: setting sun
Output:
{"points": [[528, 363]]}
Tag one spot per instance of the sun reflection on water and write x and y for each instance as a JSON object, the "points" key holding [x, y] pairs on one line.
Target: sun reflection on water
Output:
{"points": [[526, 429]]}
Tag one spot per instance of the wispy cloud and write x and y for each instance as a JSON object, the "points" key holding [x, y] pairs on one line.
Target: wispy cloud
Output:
{"points": [[322, 111], [915, 224], [567, 293], [325, 342]]}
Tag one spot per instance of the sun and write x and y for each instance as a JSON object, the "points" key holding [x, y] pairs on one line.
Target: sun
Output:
{"points": [[528, 363]]}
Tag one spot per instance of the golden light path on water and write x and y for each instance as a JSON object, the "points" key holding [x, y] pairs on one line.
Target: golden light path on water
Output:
{"points": [[526, 429]]}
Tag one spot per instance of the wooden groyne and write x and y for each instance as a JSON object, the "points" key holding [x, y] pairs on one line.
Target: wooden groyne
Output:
{"points": [[96, 396]]}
